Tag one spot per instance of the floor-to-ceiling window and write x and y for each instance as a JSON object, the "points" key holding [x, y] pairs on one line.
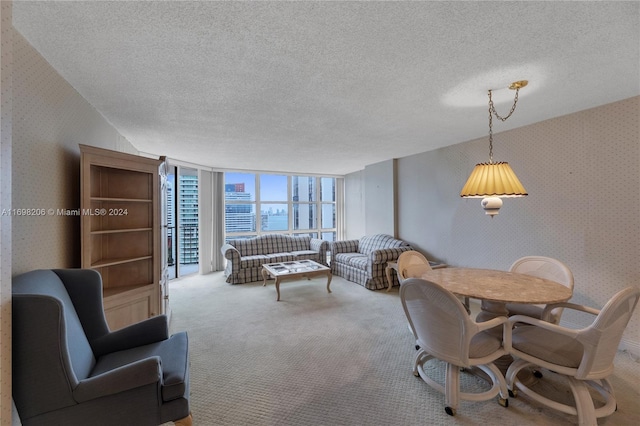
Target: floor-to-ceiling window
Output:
{"points": [[328, 205], [240, 205], [188, 254], [170, 211], [304, 203], [273, 203], [182, 221], [268, 203]]}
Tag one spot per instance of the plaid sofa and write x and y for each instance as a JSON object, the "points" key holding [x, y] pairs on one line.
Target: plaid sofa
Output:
{"points": [[363, 261], [245, 257]]}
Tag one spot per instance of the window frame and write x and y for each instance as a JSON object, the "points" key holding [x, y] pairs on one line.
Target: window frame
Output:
{"points": [[316, 232]]}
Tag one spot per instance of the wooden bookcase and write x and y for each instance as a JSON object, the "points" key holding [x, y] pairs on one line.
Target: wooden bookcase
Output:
{"points": [[121, 228]]}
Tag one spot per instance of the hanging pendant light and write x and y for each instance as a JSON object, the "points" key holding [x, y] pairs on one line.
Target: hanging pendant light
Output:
{"points": [[492, 181]]}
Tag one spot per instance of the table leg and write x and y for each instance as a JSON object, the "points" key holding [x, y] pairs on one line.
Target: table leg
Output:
{"points": [[490, 310], [387, 272], [329, 276], [265, 274], [278, 288]]}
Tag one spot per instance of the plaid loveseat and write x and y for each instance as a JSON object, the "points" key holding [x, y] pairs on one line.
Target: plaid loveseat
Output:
{"points": [[245, 257], [363, 261]]}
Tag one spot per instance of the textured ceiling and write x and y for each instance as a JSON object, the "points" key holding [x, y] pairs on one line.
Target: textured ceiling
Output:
{"points": [[329, 87]]}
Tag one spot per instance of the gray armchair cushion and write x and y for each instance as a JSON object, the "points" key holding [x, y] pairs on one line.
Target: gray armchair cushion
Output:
{"points": [[151, 330], [174, 355], [41, 321], [119, 379], [43, 376]]}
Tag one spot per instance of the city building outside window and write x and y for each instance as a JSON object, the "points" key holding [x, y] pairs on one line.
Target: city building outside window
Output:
{"points": [[258, 204]]}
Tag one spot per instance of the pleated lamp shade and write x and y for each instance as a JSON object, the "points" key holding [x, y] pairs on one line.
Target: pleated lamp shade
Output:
{"points": [[493, 180]]}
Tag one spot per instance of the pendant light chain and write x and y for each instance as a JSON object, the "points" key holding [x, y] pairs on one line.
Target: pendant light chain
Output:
{"points": [[492, 112]]}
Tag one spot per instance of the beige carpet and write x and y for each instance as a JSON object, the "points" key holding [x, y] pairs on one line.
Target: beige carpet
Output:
{"points": [[343, 358]]}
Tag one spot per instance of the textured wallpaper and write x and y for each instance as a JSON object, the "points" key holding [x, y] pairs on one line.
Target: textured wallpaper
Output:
{"points": [[43, 121], [582, 173], [6, 53], [50, 120]]}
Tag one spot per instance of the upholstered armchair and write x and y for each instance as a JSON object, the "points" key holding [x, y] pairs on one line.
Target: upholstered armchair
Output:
{"points": [[70, 369], [364, 261]]}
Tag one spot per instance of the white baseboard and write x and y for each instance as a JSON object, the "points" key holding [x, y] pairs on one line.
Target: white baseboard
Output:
{"points": [[630, 346]]}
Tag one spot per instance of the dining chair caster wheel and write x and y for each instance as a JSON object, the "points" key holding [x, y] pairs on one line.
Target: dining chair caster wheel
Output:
{"points": [[513, 393], [450, 411], [417, 347], [504, 402]]}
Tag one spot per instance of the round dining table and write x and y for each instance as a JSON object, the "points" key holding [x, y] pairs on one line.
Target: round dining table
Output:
{"points": [[497, 288]]}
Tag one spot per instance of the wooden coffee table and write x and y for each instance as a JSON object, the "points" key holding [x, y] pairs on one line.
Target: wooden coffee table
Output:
{"points": [[294, 270]]}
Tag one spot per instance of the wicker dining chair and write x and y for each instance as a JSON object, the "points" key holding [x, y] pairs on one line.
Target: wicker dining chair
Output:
{"points": [[584, 357], [542, 267], [411, 264], [446, 332]]}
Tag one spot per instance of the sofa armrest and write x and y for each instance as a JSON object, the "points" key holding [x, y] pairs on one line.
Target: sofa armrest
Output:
{"points": [[346, 246], [232, 254], [140, 373], [388, 254], [151, 330], [317, 244], [321, 246]]}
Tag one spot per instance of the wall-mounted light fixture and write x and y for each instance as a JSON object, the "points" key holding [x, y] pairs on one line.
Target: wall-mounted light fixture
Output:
{"points": [[492, 181]]}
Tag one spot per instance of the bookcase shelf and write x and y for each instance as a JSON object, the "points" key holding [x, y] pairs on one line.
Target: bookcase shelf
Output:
{"points": [[122, 200], [121, 232], [120, 261]]}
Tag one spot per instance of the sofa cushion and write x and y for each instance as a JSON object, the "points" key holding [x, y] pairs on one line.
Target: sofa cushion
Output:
{"points": [[253, 261], [271, 243], [350, 258], [379, 241], [279, 257], [304, 253], [249, 246], [297, 243], [245, 257], [360, 262]]}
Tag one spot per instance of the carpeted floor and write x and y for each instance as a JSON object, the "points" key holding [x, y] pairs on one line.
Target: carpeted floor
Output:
{"points": [[343, 358]]}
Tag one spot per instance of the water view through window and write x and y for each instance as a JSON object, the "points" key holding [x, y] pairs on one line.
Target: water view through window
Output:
{"points": [[267, 203]]}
